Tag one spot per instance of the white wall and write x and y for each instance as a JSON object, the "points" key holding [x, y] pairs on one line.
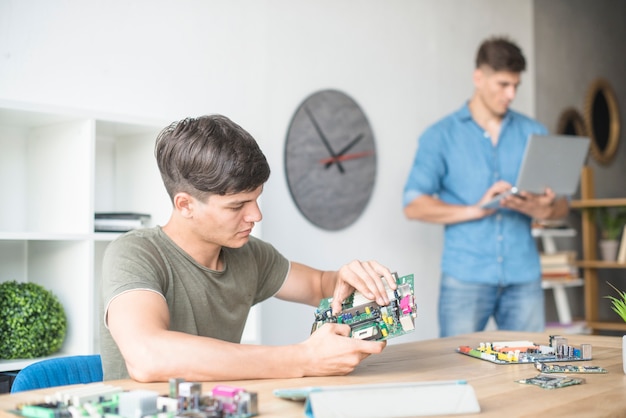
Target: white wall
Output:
{"points": [[578, 41], [407, 62]]}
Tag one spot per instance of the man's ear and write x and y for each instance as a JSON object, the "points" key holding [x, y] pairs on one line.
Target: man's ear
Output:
{"points": [[184, 204], [478, 76]]}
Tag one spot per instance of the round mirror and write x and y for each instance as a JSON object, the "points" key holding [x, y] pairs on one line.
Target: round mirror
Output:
{"points": [[571, 122], [602, 117]]}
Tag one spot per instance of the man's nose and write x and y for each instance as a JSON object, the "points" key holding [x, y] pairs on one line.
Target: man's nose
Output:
{"points": [[254, 214], [511, 91]]}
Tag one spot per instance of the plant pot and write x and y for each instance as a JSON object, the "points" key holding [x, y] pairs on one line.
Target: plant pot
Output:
{"points": [[608, 249], [624, 353]]}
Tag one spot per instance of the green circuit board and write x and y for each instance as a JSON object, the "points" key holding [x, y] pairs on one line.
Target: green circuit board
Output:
{"points": [[370, 321], [186, 399]]}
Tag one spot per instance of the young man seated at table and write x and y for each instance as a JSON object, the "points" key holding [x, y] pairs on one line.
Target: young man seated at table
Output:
{"points": [[177, 296]]}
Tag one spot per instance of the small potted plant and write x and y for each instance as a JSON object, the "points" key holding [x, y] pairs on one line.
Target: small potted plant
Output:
{"points": [[618, 304], [611, 221]]}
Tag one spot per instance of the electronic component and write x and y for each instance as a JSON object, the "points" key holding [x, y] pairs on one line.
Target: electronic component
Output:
{"points": [[514, 352], [236, 402], [551, 381], [129, 403], [185, 399], [568, 368], [370, 321]]}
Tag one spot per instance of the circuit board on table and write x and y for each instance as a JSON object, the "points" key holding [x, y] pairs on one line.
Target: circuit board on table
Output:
{"points": [[568, 368], [522, 352], [186, 399], [370, 321]]}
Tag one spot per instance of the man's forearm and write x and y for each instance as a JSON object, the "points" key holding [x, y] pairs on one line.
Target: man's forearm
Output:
{"points": [[197, 358], [429, 209]]}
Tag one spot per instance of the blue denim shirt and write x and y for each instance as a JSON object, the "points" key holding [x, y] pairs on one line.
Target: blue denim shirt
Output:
{"points": [[457, 162]]}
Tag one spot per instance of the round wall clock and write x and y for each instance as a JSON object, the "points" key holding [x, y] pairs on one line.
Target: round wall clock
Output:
{"points": [[330, 159]]}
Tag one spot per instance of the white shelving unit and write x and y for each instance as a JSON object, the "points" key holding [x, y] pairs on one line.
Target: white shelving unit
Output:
{"points": [[57, 168], [547, 236]]}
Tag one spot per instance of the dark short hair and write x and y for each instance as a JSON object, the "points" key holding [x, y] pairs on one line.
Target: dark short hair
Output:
{"points": [[501, 54], [209, 155]]}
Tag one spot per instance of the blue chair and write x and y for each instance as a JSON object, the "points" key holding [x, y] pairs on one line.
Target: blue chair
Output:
{"points": [[58, 372]]}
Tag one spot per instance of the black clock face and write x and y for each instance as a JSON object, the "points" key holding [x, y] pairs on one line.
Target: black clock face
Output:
{"points": [[330, 159]]}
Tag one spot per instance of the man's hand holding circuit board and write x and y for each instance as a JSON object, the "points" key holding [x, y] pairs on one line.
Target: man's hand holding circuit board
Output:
{"points": [[370, 321]]}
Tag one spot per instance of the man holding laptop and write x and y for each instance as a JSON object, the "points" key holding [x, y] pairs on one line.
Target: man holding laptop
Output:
{"points": [[490, 264]]}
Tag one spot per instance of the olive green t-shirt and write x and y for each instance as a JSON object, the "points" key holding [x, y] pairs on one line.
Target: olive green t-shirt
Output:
{"points": [[201, 301]]}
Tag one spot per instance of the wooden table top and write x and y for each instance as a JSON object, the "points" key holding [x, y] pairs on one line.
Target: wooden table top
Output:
{"points": [[497, 392]]}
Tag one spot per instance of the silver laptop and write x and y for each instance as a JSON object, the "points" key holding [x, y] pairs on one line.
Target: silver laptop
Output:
{"points": [[553, 161]]}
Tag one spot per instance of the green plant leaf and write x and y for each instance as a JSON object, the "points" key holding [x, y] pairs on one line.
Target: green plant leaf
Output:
{"points": [[33, 321], [618, 304]]}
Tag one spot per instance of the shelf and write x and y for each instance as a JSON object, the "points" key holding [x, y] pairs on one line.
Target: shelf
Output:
{"points": [[553, 232], [60, 167], [18, 364], [590, 264], [598, 264], [41, 236], [548, 236], [554, 283], [607, 326], [597, 203]]}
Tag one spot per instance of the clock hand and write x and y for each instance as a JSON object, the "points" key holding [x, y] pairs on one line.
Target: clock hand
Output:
{"points": [[346, 157], [344, 150], [323, 138]]}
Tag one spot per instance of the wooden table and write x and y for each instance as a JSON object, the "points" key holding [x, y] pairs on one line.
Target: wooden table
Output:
{"points": [[499, 395]]}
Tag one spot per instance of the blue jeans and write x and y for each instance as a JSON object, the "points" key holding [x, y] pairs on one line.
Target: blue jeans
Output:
{"points": [[466, 307]]}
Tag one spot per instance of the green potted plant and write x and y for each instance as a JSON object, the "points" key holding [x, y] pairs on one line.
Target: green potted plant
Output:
{"points": [[33, 321], [611, 221], [618, 304]]}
